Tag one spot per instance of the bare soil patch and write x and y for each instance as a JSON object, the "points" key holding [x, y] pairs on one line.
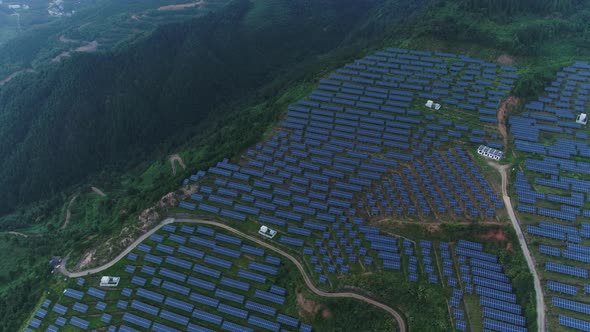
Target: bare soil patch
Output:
{"points": [[506, 60], [15, 74], [18, 234], [173, 158], [68, 214], [182, 6], [64, 39], [506, 106], [89, 47], [509, 247], [307, 307], [86, 260], [494, 235]]}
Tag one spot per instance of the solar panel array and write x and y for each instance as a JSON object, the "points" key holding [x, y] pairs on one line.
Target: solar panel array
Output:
{"points": [[482, 275], [553, 118], [174, 289], [355, 150]]}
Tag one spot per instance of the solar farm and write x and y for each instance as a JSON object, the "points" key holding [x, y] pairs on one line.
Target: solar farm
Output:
{"points": [[552, 188], [183, 278], [362, 149]]}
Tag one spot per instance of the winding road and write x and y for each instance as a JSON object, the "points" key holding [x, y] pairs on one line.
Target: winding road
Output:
{"points": [[400, 321], [523, 245]]}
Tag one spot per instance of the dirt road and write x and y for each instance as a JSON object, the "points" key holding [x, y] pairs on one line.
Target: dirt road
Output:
{"points": [[98, 191], [523, 245], [306, 278], [173, 158], [502, 111], [68, 214]]}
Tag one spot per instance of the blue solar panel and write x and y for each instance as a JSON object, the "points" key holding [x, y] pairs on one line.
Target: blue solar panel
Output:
{"points": [[77, 295], [574, 323], [178, 319], [201, 283], [269, 297], [290, 321], [79, 322], [233, 327], [207, 317], [60, 309], [233, 311], [157, 327], [263, 268], [206, 271], [147, 308], [261, 308], [150, 295], [231, 296], [139, 321], [217, 262]]}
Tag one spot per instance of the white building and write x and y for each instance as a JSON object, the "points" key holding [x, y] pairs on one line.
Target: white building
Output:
{"points": [[267, 232], [491, 153], [107, 281], [582, 119]]}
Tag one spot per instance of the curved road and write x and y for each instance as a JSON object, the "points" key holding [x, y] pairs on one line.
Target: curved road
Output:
{"points": [[400, 321], [523, 245]]}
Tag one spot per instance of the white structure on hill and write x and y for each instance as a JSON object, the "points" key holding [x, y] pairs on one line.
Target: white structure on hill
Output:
{"points": [[492, 153], [582, 118], [109, 281], [432, 104], [267, 232]]}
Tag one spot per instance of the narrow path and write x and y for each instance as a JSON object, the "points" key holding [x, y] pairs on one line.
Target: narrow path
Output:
{"points": [[68, 213], [98, 191], [510, 102], [18, 234], [173, 158], [523, 245], [400, 321]]}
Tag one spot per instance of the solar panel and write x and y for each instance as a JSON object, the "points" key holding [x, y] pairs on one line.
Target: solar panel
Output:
{"points": [[178, 319], [231, 296], [233, 327], [139, 321], [207, 317], [178, 304], [158, 327], [147, 308], [269, 297], [233, 311], [574, 323], [79, 322], [99, 294], [150, 295], [203, 299], [77, 295]]}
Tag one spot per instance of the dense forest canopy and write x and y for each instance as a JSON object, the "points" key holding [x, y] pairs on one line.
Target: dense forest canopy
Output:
{"points": [[511, 7], [107, 109]]}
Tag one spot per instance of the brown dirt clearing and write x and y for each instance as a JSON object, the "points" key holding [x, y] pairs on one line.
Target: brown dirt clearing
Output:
{"points": [[68, 214], [495, 235], [506, 60], [173, 158], [307, 307], [503, 111]]}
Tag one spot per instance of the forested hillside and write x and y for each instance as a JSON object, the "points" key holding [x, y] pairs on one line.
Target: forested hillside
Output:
{"points": [[106, 109], [95, 115]]}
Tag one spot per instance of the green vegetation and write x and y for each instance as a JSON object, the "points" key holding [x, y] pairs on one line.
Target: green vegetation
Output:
{"points": [[207, 88], [323, 314]]}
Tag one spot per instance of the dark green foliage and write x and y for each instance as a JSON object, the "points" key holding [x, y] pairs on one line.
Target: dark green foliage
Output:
{"points": [[511, 7], [109, 110]]}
